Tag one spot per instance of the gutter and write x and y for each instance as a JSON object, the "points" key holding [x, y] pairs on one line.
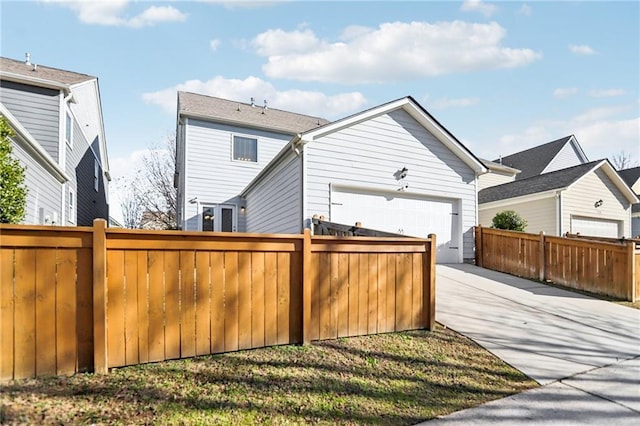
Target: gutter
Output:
{"points": [[41, 82]]}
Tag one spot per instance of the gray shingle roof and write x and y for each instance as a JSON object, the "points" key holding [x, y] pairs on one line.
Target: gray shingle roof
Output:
{"points": [[239, 113], [42, 72], [630, 176], [541, 183], [531, 162]]}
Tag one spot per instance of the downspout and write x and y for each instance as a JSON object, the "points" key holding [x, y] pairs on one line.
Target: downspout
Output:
{"points": [[559, 210]]}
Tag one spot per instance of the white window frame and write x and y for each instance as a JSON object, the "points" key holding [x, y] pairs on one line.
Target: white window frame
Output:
{"points": [[96, 175], [68, 128], [71, 206], [233, 154]]}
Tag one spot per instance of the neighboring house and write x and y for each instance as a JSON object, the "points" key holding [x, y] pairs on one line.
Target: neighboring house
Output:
{"points": [[632, 178], [549, 157], [221, 145], [497, 174], [393, 168], [57, 118], [590, 199]]}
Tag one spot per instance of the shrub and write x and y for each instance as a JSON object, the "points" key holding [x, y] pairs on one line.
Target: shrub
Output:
{"points": [[509, 220], [13, 193]]}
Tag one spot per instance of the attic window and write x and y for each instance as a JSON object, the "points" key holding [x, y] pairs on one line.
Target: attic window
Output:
{"points": [[245, 149], [68, 136]]}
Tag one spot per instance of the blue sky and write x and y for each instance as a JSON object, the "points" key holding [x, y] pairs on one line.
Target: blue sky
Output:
{"points": [[501, 76]]}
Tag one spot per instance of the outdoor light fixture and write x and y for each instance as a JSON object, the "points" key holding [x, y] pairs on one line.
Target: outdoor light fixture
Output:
{"points": [[243, 209], [598, 204]]}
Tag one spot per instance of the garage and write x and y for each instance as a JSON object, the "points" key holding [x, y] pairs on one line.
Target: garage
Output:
{"points": [[403, 214], [595, 227]]}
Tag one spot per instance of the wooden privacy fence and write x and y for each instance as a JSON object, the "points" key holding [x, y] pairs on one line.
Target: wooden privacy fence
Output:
{"points": [[608, 268], [92, 298]]}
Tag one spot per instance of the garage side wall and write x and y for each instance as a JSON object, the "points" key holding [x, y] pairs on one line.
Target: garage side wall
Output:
{"points": [[274, 204], [540, 214], [580, 200], [368, 154]]}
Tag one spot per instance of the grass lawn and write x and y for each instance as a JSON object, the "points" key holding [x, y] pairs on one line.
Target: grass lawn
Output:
{"points": [[398, 379]]}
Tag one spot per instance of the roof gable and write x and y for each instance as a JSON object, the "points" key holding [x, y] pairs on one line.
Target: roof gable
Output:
{"points": [[559, 180], [47, 76], [416, 111], [535, 161], [243, 114]]}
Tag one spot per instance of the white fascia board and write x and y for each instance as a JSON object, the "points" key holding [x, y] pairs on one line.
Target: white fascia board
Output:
{"points": [[615, 178], [414, 111], [522, 199], [33, 147]]}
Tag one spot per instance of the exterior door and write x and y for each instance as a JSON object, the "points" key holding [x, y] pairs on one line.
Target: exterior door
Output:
{"points": [[218, 218]]}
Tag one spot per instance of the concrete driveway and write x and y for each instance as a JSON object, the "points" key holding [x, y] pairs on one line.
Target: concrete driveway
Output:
{"points": [[584, 351]]}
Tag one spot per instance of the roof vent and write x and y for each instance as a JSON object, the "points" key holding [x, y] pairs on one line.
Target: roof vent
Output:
{"points": [[35, 67], [265, 107], [253, 102], [27, 60]]}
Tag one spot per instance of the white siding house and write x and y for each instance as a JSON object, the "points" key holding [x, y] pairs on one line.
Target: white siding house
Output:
{"points": [[393, 168], [221, 146], [590, 199]]}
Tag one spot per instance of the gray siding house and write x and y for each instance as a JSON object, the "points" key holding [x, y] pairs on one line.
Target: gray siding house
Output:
{"points": [[57, 119]]}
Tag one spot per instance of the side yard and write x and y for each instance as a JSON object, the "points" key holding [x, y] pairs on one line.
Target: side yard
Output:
{"points": [[397, 378]]}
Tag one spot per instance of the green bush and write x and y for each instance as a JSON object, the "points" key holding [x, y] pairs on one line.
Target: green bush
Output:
{"points": [[13, 192], [509, 220]]}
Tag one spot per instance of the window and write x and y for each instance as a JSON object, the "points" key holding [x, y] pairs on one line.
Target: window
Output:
{"points": [[96, 174], [68, 136], [72, 204], [245, 149]]}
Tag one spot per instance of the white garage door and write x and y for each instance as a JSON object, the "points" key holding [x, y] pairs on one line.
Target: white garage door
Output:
{"points": [[398, 213], [595, 227]]}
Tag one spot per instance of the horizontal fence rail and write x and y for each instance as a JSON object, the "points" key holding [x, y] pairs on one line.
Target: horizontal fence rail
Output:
{"points": [[604, 267], [90, 299]]}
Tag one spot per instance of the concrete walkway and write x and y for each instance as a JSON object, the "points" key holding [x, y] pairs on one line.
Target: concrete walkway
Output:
{"points": [[584, 352]]}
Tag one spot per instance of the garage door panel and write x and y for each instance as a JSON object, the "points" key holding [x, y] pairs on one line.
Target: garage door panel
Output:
{"points": [[595, 227], [407, 215]]}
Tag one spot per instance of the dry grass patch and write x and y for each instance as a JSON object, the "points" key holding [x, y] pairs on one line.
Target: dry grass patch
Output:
{"points": [[398, 378]]}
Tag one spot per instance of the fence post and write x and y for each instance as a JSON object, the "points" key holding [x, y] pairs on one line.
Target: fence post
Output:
{"points": [[429, 284], [542, 273], [478, 235], [100, 354], [631, 270], [306, 287]]}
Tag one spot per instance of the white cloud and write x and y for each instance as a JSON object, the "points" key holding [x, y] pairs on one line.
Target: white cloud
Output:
{"points": [[366, 55], [304, 102], [454, 103], [565, 92], [112, 13], [525, 10], [582, 49], [478, 6], [602, 132], [214, 44], [607, 93]]}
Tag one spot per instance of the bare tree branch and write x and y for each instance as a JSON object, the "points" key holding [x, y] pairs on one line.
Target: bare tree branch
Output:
{"points": [[622, 160]]}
